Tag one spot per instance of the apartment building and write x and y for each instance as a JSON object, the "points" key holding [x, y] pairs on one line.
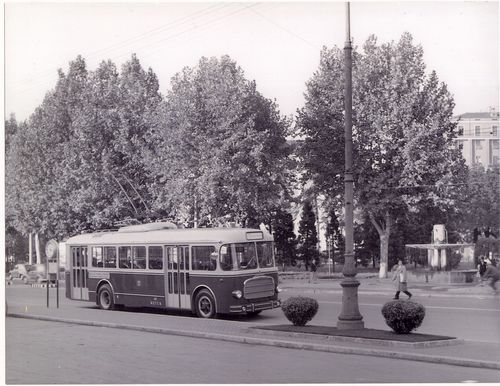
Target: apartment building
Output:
{"points": [[479, 137]]}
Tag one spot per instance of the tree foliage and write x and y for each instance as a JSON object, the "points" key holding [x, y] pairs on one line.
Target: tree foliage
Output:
{"points": [[334, 236], [404, 157], [105, 146], [308, 235], [224, 144], [284, 237], [481, 204]]}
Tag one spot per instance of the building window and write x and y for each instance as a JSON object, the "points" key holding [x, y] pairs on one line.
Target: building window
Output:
{"points": [[460, 130], [478, 145], [477, 131], [478, 159], [494, 131]]}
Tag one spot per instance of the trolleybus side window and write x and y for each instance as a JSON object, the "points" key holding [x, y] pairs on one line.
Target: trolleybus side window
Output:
{"points": [[124, 257], [110, 257], [139, 257], [155, 255], [204, 258], [97, 257]]}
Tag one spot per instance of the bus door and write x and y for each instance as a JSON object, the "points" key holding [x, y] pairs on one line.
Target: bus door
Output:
{"points": [[177, 276], [79, 275]]}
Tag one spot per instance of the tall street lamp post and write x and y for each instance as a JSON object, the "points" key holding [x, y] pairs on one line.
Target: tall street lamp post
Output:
{"points": [[349, 318]]}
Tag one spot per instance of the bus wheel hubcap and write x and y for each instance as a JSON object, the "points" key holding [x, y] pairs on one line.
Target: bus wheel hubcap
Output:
{"points": [[205, 306]]}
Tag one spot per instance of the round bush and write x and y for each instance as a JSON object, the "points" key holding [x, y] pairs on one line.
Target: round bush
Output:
{"points": [[403, 316], [299, 310]]}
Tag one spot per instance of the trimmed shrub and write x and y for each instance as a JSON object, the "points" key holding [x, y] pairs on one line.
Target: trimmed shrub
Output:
{"points": [[299, 310], [403, 316]]}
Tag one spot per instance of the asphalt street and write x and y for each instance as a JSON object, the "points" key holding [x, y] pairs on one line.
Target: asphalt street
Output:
{"points": [[41, 352], [471, 313]]}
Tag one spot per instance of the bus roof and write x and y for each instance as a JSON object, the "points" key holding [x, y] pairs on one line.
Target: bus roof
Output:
{"points": [[172, 236]]}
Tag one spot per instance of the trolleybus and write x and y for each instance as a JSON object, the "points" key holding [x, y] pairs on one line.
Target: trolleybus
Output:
{"points": [[209, 271]]}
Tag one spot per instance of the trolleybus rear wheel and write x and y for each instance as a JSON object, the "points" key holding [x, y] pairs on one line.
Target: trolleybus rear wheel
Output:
{"points": [[105, 296], [205, 304]]}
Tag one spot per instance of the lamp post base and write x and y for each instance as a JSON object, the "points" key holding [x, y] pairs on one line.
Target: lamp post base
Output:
{"points": [[350, 318], [350, 325]]}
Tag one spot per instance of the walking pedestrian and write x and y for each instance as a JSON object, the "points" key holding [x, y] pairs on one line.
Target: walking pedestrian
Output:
{"points": [[493, 274], [401, 276]]}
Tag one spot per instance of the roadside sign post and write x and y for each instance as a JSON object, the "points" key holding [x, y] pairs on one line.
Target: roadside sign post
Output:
{"points": [[52, 251]]}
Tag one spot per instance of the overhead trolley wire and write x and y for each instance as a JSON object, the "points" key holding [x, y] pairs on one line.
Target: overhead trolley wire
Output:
{"points": [[188, 19]]}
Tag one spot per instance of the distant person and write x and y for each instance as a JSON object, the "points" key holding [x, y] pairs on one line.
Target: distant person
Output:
{"points": [[313, 271], [402, 277], [492, 274]]}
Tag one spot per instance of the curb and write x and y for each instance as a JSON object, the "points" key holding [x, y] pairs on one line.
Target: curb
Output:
{"points": [[279, 343]]}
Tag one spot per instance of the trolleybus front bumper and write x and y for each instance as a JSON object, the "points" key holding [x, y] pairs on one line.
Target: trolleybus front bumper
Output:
{"points": [[252, 307]]}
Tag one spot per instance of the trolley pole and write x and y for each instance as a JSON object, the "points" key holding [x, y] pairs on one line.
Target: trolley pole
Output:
{"points": [[349, 318]]}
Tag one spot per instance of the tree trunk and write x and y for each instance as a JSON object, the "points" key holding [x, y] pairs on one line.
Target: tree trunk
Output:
{"points": [[30, 249], [384, 233], [37, 249], [384, 254]]}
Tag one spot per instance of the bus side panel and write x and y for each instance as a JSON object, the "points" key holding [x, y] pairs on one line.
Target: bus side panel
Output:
{"points": [[138, 289]]}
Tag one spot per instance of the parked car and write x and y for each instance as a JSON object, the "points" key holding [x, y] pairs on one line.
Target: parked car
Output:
{"points": [[37, 273], [20, 271]]}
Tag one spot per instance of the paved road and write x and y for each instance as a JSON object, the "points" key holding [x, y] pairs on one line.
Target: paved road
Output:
{"points": [[471, 318], [49, 352]]}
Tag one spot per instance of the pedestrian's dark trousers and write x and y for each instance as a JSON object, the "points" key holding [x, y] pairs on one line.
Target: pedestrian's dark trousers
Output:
{"points": [[397, 294]]}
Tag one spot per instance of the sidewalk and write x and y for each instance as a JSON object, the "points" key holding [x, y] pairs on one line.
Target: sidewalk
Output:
{"points": [[370, 284], [455, 352]]}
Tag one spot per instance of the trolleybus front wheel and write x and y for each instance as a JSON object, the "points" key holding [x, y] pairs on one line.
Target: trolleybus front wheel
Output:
{"points": [[105, 296], [205, 304]]}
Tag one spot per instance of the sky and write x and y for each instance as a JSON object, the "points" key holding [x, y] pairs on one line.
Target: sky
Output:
{"points": [[277, 44]]}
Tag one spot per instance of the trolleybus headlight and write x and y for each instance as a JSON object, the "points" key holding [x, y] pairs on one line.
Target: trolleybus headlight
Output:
{"points": [[237, 294], [278, 289]]}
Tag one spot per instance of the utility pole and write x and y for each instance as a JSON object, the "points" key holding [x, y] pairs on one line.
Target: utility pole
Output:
{"points": [[349, 318]]}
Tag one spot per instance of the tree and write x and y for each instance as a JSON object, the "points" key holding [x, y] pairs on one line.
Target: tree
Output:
{"points": [[481, 204], [367, 242], [77, 164], [308, 236], [404, 156], [224, 144], [36, 153], [334, 236], [284, 237]]}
